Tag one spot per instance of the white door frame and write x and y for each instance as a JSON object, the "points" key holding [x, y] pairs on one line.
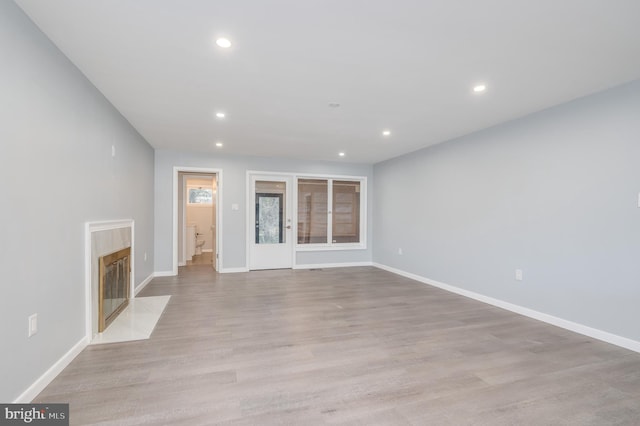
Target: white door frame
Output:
{"points": [[250, 229], [219, 210]]}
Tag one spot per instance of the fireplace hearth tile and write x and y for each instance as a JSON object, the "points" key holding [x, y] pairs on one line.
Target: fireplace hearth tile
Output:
{"points": [[136, 322]]}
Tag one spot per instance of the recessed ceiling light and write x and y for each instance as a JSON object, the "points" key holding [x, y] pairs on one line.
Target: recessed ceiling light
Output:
{"points": [[220, 114], [223, 42], [341, 154], [219, 144], [386, 132], [479, 88]]}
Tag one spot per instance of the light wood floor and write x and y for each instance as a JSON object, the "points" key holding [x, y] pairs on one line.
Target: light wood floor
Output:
{"points": [[205, 258], [354, 346]]}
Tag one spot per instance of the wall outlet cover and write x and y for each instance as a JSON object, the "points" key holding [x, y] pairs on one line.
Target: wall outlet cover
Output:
{"points": [[518, 274]]}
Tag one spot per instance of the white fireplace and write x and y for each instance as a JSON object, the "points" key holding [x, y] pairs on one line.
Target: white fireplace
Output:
{"points": [[104, 239]]}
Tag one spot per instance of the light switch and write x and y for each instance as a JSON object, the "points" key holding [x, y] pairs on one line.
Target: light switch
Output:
{"points": [[235, 207], [33, 324]]}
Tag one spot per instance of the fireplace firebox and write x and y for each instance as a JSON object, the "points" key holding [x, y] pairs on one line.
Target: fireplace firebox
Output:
{"points": [[114, 286]]}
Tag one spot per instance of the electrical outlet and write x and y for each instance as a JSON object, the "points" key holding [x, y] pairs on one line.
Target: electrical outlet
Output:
{"points": [[400, 251], [33, 324], [113, 150], [518, 274], [145, 256]]}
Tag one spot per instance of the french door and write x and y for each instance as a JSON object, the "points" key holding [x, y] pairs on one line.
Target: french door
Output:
{"points": [[270, 232]]}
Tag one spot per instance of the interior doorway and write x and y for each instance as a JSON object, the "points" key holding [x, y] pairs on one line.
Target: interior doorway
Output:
{"points": [[197, 218]]}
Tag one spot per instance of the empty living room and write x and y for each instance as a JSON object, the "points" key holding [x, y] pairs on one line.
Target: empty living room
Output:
{"points": [[322, 212]]}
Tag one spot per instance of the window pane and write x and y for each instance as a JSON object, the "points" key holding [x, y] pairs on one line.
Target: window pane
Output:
{"points": [[200, 196], [269, 219], [270, 203], [346, 211], [312, 211]]}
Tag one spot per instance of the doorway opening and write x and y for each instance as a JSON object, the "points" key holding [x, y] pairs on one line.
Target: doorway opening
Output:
{"points": [[197, 217]]}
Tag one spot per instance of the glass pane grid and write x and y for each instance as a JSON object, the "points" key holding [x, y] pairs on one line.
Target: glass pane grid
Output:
{"points": [[314, 211]]}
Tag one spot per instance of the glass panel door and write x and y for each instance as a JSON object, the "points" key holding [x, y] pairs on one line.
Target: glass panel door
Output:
{"points": [[270, 244]]}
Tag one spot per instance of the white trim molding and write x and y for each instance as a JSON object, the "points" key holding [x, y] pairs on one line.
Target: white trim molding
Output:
{"points": [[164, 274], [144, 283], [43, 381], [304, 266], [233, 270], [331, 265], [595, 333], [328, 247]]}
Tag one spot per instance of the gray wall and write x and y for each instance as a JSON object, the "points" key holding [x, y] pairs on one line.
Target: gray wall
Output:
{"points": [[554, 193], [57, 172], [234, 192]]}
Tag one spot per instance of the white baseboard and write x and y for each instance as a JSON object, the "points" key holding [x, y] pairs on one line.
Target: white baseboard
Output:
{"points": [[182, 263], [309, 266], [38, 386], [233, 270], [143, 283], [605, 336], [164, 274], [331, 265]]}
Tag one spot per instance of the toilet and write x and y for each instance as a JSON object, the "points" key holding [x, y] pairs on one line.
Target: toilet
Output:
{"points": [[195, 241], [199, 243]]}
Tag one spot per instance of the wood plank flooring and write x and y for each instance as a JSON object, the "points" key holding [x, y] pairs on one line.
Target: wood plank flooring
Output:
{"points": [[356, 346], [205, 258]]}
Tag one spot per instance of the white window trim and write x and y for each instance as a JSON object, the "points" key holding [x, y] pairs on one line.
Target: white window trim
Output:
{"points": [[362, 245]]}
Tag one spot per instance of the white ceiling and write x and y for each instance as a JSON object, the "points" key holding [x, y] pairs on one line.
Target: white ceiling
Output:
{"points": [[405, 65]]}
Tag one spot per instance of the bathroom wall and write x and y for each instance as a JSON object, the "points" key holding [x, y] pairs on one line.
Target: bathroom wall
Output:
{"points": [[57, 135], [202, 215]]}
